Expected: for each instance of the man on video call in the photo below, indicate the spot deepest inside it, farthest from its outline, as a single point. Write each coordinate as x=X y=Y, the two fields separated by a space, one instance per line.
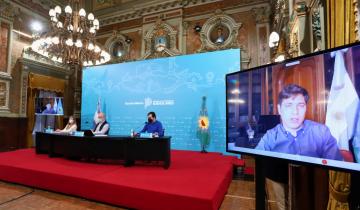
x=295 y=135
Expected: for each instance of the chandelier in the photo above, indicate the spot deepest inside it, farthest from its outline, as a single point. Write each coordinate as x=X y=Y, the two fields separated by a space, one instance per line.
x=71 y=38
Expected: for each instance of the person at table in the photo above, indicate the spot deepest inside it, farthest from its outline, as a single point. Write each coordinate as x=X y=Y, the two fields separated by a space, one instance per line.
x=70 y=126
x=152 y=126
x=102 y=127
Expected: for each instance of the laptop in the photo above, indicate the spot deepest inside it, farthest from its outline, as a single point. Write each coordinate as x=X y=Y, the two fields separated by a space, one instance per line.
x=88 y=133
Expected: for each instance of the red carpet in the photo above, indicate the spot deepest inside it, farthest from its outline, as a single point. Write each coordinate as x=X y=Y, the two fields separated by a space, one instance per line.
x=193 y=181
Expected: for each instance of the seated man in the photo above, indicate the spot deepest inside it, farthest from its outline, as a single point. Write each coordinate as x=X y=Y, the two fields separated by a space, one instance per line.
x=295 y=135
x=49 y=109
x=102 y=127
x=152 y=126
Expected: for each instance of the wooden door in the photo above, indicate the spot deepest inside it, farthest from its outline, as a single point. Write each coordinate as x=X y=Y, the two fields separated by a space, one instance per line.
x=309 y=74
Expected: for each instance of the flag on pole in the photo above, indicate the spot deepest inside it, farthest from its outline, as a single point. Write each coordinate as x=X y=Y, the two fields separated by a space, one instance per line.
x=342 y=103
x=98 y=110
x=203 y=132
x=59 y=109
x=55 y=105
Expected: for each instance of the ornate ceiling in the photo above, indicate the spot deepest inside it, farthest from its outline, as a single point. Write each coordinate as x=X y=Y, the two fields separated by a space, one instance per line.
x=111 y=11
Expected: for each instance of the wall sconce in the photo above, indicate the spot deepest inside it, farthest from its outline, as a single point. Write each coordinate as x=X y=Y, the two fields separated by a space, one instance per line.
x=274 y=39
x=197 y=28
x=128 y=40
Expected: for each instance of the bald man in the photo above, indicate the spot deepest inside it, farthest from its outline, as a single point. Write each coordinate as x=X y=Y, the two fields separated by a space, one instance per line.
x=102 y=127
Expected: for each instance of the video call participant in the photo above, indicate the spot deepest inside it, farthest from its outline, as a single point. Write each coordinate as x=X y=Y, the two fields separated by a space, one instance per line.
x=152 y=126
x=102 y=127
x=49 y=109
x=295 y=135
x=70 y=127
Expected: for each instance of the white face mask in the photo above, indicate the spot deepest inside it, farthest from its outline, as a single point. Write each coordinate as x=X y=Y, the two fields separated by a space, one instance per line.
x=97 y=120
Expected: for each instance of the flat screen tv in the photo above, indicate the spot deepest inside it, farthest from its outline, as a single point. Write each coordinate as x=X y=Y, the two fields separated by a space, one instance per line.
x=49 y=106
x=303 y=110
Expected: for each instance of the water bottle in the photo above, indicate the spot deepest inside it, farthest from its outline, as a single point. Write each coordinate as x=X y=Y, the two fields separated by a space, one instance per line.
x=132 y=132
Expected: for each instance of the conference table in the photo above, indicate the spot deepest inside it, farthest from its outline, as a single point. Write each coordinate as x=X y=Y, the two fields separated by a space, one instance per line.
x=129 y=149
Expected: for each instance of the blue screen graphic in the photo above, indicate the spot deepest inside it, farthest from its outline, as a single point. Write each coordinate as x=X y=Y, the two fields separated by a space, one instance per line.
x=171 y=87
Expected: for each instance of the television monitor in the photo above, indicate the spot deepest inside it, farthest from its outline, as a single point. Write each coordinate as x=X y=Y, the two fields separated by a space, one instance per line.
x=49 y=106
x=304 y=110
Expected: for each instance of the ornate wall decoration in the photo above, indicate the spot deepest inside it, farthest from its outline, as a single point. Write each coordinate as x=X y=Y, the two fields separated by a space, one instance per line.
x=7 y=10
x=4 y=95
x=261 y=14
x=357 y=19
x=294 y=45
x=24 y=86
x=128 y=10
x=262 y=18
x=7 y=14
x=4 y=45
x=219 y=32
x=316 y=28
x=29 y=54
x=118 y=48
x=102 y=4
x=161 y=41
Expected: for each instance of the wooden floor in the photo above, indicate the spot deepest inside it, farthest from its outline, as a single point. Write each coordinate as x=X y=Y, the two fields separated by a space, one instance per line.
x=240 y=196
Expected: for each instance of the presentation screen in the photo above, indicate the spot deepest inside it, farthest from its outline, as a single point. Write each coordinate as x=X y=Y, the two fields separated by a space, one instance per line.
x=175 y=88
x=49 y=106
x=303 y=110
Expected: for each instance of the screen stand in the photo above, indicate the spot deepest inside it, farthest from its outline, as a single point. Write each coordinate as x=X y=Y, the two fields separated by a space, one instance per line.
x=259 y=184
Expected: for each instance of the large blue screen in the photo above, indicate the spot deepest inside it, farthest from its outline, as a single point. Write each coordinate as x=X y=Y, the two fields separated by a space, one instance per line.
x=172 y=87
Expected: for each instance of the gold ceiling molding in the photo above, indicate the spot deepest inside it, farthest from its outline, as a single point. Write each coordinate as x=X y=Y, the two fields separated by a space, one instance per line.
x=7 y=10
x=144 y=9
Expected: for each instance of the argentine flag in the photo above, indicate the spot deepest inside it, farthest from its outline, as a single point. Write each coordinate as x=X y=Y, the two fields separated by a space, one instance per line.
x=59 y=109
x=98 y=110
x=55 y=105
x=342 y=103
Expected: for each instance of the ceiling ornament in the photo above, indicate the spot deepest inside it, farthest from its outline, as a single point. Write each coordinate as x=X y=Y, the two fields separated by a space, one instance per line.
x=118 y=46
x=160 y=41
x=219 y=32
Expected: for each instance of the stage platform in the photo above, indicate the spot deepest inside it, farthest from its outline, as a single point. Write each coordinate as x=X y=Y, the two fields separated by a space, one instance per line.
x=193 y=181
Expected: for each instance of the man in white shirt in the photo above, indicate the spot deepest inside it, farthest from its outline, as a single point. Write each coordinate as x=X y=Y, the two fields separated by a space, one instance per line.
x=102 y=127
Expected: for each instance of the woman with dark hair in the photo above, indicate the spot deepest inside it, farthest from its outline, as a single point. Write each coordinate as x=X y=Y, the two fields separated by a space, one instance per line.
x=70 y=127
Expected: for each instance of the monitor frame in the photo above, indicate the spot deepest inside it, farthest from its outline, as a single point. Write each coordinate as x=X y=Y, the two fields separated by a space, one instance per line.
x=267 y=157
x=46 y=114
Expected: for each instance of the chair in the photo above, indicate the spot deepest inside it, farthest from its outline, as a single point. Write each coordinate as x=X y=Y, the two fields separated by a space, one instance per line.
x=347 y=155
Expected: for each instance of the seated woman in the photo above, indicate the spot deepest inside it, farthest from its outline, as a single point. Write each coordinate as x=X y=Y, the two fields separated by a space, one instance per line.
x=70 y=127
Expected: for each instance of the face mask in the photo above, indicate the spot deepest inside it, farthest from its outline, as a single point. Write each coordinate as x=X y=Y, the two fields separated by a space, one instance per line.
x=150 y=120
x=71 y=121
x=97 y=120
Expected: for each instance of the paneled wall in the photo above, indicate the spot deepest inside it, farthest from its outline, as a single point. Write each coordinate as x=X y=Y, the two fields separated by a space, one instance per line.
x=12 y=133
